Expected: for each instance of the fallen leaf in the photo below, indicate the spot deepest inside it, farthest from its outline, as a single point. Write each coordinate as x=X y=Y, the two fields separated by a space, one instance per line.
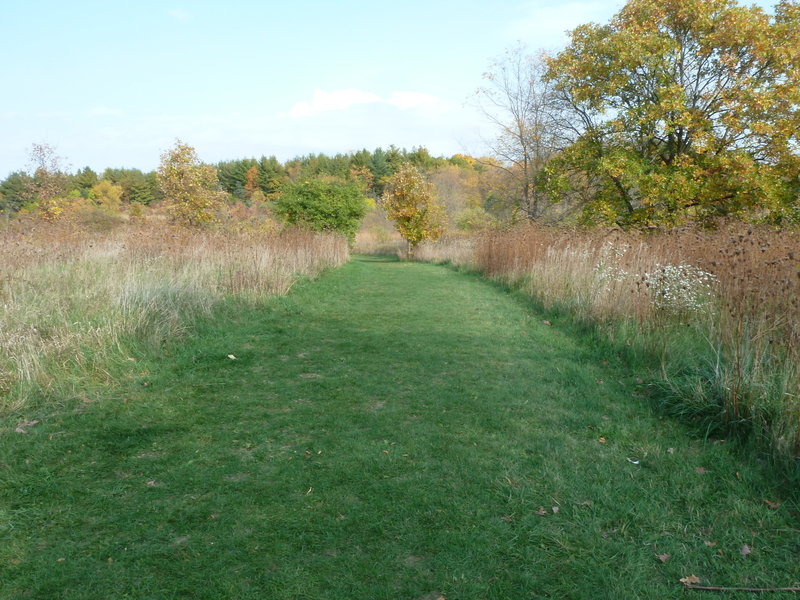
x=60 y=559
x=602 y=440
x=541 y=512
x=710 y=544
x=29 y=423
x=701 y=470
x=745 y=550
x=546 y=322
x=670 y=450
x=771 y=504
x=231 y=356
x=663 y=557
x=20 y=430
x=584 y=503
x=507 y=518
x=690 y=580
x=151 y=483
x=556 y=509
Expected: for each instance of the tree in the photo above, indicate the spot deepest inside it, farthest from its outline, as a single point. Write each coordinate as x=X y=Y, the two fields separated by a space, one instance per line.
x=323 y=204
x=106 y=196
x=189 y=186
x=527 y=113
x=411 y=203
x=48 y=181
x=15 y=190
x=251 y=184
x=686 y=109
x=137 y=187
x=83 y=181
x=273 y=175
x=379 y=166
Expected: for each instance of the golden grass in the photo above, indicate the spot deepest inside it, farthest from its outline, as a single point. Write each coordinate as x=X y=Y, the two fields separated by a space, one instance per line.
x=75 y=302
x=732 y=294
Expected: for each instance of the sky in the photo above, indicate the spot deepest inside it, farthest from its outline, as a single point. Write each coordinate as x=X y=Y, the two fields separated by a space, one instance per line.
x=114 y=83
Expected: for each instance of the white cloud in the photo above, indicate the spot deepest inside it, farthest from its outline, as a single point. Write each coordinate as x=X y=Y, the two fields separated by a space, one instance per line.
x=323 y=101
x=180 y=14
x=327 y=101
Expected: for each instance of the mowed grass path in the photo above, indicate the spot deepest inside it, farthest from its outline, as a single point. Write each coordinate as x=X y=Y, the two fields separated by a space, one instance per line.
x=392 y=431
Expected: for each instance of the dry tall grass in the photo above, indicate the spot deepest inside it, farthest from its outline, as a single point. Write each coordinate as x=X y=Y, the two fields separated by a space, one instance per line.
x=74 y=302
x=721 y=307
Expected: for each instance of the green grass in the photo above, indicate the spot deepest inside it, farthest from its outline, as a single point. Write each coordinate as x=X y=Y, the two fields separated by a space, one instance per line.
x=392 y=431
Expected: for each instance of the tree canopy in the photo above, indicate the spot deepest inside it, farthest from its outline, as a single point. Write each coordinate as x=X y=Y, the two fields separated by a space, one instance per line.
x=188 y=185
x=410 y=201
x=323 y=204
x=684 y=109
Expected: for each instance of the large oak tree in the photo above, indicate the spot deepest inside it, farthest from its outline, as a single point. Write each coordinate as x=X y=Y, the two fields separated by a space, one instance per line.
x=685 y=108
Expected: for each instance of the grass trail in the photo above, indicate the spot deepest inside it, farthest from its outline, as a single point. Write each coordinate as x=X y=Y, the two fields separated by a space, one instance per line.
x=391 y=431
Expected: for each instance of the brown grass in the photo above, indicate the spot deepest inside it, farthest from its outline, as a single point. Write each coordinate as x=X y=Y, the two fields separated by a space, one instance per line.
x=75 y=301
x=743 y=321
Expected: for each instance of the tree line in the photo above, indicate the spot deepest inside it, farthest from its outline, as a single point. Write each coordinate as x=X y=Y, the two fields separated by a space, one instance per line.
x=674 y=111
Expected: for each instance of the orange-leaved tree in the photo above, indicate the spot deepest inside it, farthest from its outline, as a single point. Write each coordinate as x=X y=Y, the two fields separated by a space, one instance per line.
x=410 y=201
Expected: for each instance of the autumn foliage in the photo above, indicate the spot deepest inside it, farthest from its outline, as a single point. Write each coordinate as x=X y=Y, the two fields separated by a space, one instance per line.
x=411 y=203
x=684 y=110
x=189 y=186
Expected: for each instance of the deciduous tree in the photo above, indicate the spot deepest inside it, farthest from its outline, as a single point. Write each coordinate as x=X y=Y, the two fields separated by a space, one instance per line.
x=410 y=201
x=687 y=109
x=48 y=181
x=251 y=178
x=526 y=112
x=188 y=185
x=323 y=204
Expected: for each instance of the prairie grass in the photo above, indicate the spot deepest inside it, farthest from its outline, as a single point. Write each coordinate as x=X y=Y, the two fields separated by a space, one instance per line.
x=394 y=430
x=76 y=304
x=456 y=249
x=378 y=235
x=717 y=309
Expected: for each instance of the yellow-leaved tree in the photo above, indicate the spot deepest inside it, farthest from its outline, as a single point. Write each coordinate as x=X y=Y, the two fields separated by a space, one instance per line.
x=189 y=186
x=410 y=201
x=684 y=109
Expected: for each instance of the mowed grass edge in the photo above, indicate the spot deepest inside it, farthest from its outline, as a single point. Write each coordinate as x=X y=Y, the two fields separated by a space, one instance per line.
x=393 y=430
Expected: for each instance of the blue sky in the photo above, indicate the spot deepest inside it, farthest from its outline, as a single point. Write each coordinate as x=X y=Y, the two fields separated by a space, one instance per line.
x=113 y=83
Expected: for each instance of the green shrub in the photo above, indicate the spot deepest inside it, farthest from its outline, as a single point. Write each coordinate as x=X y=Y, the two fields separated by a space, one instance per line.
x=323 y=204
